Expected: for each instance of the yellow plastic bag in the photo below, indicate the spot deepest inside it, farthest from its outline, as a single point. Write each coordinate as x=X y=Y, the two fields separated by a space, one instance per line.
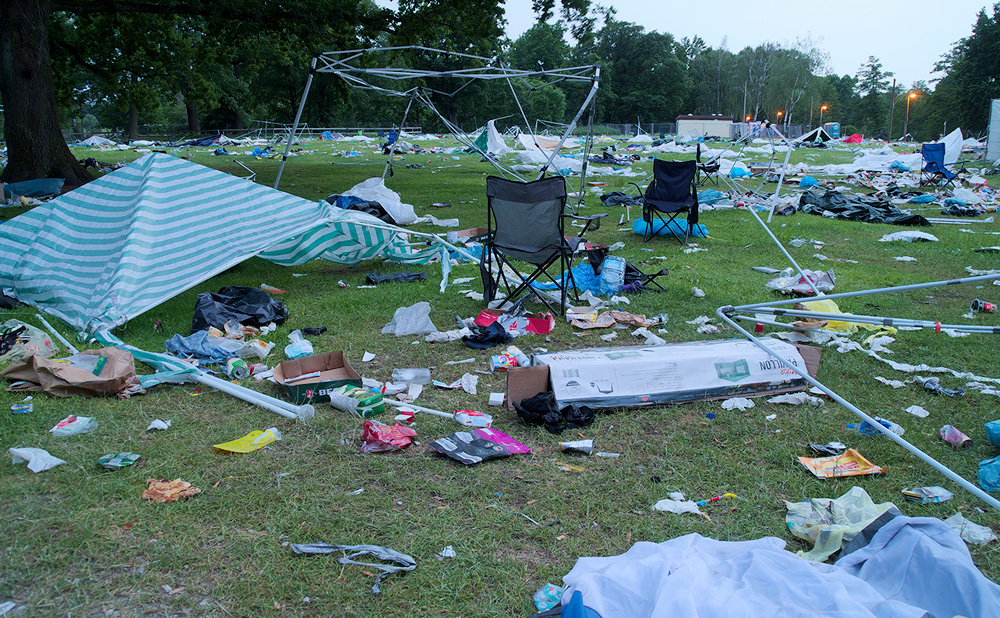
x=251 y=442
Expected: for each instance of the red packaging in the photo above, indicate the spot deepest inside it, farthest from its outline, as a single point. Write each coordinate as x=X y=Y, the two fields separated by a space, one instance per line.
x=537 y=323
x=378 y=437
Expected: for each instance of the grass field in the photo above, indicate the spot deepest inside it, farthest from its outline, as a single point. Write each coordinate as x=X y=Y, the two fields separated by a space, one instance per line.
x=79 y=541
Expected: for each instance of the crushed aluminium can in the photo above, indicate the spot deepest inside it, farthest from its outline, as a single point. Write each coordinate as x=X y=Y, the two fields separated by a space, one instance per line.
x=954 y=437
x=981 y=306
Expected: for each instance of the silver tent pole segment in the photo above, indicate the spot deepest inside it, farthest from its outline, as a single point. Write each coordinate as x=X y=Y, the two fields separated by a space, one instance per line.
x=901 y=288
x=56 y=334
x=576 y=119
x=845 y=317
x=867 y=319
x=722 y=312
x=783 y=250
x=267 y=402
x=781 y=177
x=295 y=123
x=392 y=146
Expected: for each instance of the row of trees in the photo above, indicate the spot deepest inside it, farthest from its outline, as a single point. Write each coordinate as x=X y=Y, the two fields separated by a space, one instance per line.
x=218 y=64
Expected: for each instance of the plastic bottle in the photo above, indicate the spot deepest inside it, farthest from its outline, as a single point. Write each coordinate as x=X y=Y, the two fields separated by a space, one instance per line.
x=613 y=274
x=865 y=429
x=522 y=359
x=412 y=376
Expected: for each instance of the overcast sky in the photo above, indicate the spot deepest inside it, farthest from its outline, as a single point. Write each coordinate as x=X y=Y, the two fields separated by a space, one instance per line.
x=908 y=37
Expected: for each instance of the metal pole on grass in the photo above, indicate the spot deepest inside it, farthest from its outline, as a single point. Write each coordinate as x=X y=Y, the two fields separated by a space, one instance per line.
x=723 y=313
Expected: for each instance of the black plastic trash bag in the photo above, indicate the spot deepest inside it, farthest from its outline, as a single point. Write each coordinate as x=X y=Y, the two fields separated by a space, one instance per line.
x=541 y=410
x=248 y=306
x=483 y=337
x=839 y=205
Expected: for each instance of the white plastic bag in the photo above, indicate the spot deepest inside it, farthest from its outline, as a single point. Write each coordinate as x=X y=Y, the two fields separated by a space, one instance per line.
x=299 y=347
x=374 y=190
x=412 y=320
x=73 y=425
x=38 y=459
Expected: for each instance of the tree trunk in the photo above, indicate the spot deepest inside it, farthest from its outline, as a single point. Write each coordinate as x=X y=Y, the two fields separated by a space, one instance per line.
x=192 y=113
x=133 y=123
x=36 y=147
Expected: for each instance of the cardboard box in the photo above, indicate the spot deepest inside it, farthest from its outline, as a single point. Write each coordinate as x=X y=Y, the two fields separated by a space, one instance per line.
x=537 y=323
x=334 y=370
x=659 y=375
x=473 y=234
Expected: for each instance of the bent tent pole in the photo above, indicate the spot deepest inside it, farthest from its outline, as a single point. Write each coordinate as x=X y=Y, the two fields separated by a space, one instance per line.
x=399 y=136
x=723 y=313
x=784 y=168
x=785 y=251
x=298 y=116
x=572 y=125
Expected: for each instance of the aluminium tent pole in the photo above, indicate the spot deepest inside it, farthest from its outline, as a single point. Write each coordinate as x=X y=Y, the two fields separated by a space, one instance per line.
x=295 y=123
x=392 y=146
x=785 y=251
x=56 y=334
x=781 y=177
x=723 y=312
x=572 y=125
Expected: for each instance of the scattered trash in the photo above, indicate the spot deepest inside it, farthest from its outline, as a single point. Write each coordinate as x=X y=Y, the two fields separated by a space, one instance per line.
x=367 y=357
x=306 y=379
x=993 y=432
x=237 y=369
x=379 y=437
x=74 y=425
x=114 y=461
x=910 y=236
x=402 y=561
x=547 y=597
x=250 y=306
x=608 y=455
x=928 y=495
x=934 y=385
x=849 y=463
x=954 y=437
x=584 y=447
x=698 y=292
x=405 y=276
x=21 y=408
x=796 y=284
x=981 y=306
x=797 y=399
x=255 y=440
x=360 y=402
x=162 y=491
x=447 y=552
x=830 y=522
x=905 y=258
x=918 y=411
x=542 y=409
x=478 y=445
x=678 y=504
x=970 y=532
x=771 y=417
x=830 y=448
x=38 y=459
x=412 y=320
x=411 y=376
x=298 y=347
x=865 y=429
x=741 y=403
x=496 y=399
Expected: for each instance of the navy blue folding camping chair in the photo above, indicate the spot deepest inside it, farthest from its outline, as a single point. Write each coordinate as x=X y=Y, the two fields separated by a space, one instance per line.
x=934 y=170
x=674 y=190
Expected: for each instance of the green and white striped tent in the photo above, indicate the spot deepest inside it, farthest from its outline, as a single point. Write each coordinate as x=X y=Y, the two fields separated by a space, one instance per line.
x=107 y=252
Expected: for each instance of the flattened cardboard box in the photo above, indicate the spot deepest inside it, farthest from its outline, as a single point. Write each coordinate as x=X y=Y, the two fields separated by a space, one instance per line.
x=656 y=375
x=334 y=370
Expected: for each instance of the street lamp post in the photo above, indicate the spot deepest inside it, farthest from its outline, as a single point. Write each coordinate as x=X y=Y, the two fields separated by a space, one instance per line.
x=906 y=121
x=822 y=108
x=779 y=117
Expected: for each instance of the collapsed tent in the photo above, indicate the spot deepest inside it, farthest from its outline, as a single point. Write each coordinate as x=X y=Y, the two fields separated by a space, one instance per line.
x=837 y=205
x=97 y=140
x=816 y=136
x=491 y=142
x=120 y=245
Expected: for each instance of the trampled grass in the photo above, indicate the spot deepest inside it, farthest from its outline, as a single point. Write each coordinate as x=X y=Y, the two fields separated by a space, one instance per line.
x=79 y=541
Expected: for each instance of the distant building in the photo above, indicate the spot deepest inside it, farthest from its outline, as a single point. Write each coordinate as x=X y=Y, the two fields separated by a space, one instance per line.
x=715 y=125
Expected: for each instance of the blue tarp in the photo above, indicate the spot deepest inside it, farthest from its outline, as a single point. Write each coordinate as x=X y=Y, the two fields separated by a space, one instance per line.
x=677 y=226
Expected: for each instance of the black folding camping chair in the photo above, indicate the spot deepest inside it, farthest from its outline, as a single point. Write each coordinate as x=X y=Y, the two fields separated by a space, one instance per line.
x=525 y=221
x=708 y=169
x=673 y=190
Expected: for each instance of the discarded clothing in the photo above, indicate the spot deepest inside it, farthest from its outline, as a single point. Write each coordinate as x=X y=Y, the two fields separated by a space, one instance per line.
x=203 y=346
x=837 y=205
x=617 y=198
x=483 y=337
x=542 y=410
